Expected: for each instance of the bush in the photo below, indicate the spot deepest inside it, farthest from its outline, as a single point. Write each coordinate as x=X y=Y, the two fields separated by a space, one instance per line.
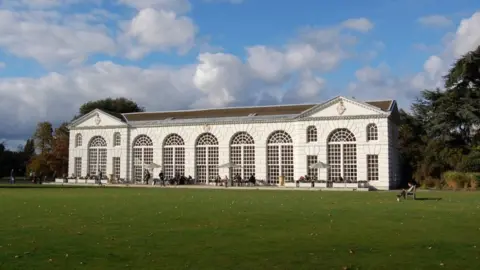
x=431 y=183
x=474 y=180
x=456 y=180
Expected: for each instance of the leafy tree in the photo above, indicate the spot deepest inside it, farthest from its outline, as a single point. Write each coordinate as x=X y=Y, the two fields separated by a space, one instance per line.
x=442 y=131
x=43 y=137
x=465 y=72
x=29 y=148
x=115 y=106
x=58 y=159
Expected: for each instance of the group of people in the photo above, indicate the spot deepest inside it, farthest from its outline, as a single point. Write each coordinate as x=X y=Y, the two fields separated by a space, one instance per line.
x=237 y=179
x=178 y=179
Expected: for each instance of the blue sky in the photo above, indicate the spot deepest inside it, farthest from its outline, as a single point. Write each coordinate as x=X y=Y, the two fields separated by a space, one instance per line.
x=179 y=54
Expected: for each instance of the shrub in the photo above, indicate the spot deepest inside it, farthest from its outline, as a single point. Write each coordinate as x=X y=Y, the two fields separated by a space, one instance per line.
x=455 y=180
x=431 y=183
x=474 y=180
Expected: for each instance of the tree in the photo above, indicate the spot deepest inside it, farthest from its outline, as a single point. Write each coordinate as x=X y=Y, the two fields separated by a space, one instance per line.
x=465 y=72
x=58 y=159
x=442 y=131
x=43 y=137
x=29 y=148
x=115 y=106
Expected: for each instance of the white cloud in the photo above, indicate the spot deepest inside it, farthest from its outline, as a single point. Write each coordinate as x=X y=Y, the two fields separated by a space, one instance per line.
x=56 y=97
x=435 y=21
x=224 y=1
x=177 y=6
x=290 y=73
x=315 y=49
x=369 y=74
x=360 y=24
x=158 y=30
x=222 y=78
x=465 y=39
x=374 y=80
x=50 y=39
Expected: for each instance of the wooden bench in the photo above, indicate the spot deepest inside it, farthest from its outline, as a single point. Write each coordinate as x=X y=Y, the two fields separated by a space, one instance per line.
x=412 y=192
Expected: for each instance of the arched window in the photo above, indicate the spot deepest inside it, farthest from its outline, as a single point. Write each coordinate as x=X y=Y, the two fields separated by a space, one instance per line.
x=242 y=153
x=206 y=158
x=372 y=132
x=173 y=156
x=117 y=139
x=78 y=140
x=311 y=134
x=279 y=157
x=142 y=156
x=97 y=156
x=342 y=155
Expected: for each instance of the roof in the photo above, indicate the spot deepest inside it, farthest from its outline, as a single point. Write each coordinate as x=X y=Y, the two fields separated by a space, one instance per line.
x=258 y=111
x=221 y=112
x=384 y=105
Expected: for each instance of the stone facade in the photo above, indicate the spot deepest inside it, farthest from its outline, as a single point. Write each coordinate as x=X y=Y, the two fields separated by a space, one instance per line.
x=329 y=117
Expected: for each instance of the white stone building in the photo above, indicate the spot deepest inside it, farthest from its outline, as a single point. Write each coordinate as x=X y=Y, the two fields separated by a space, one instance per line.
x=357 y=139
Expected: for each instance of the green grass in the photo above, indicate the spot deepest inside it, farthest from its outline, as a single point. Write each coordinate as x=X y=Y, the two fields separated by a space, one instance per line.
x=136 y=228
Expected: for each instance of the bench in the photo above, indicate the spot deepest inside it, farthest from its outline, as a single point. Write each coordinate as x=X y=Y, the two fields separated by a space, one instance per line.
x=412 y=192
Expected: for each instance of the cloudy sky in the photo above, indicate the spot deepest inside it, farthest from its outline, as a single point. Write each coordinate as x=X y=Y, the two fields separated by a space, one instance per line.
x=178 y=54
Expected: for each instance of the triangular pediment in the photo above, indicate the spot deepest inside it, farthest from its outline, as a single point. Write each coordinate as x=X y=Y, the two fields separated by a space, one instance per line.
x=341 y=106
x=96 y=119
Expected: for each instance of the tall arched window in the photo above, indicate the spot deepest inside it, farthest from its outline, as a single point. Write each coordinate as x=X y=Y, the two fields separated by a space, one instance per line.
x=342 y=155
x=97 y=156
x=117 y=139
x=279 y=157
x=173 y=156
x=372 y=132
x=311 y=134
x=78 y=140
x=142 y=156
x=242 y=152
x=206 y=157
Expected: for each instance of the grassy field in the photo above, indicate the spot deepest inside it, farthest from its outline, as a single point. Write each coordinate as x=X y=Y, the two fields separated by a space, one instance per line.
x=137 y=228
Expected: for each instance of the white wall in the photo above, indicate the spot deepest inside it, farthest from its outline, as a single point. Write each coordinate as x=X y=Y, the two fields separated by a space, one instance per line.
x=258 y=131
x=107 y=134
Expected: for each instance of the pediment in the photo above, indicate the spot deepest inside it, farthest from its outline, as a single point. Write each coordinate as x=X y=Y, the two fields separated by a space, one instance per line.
x=341 y=106
x=96 y=119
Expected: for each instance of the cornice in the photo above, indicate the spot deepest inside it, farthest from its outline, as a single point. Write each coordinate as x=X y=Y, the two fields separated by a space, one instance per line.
x=269 y=121
x=244 y=121
x=336 y=100
x=97 y=127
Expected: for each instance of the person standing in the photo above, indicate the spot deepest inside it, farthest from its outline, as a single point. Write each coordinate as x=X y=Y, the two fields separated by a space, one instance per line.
x=162 y=178
x=100 y=178
x=12 y=177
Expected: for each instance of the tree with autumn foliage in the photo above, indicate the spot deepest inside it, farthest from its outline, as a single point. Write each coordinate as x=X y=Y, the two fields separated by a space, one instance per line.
x=51 y=145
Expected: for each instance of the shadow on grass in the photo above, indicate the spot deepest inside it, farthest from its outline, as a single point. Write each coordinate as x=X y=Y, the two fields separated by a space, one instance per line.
x=428 y=199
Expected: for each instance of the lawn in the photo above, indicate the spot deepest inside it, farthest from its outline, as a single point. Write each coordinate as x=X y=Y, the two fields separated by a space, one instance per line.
x=139 y=228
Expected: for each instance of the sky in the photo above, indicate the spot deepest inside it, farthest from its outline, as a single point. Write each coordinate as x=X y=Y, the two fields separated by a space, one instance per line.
x=184 y=54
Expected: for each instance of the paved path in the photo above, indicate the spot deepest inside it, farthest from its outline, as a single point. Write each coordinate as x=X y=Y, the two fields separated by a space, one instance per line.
x=211 y=187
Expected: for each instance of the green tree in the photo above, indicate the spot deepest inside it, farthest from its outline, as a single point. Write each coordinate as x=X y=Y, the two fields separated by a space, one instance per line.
x=115 y=106
x=465 y=72
x=43 y=137
x=29 y=148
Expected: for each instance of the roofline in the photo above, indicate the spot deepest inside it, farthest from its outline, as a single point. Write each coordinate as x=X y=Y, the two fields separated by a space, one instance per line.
x=392 y=103
x=82 y=117
x=211 y=109
x=91 y=112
